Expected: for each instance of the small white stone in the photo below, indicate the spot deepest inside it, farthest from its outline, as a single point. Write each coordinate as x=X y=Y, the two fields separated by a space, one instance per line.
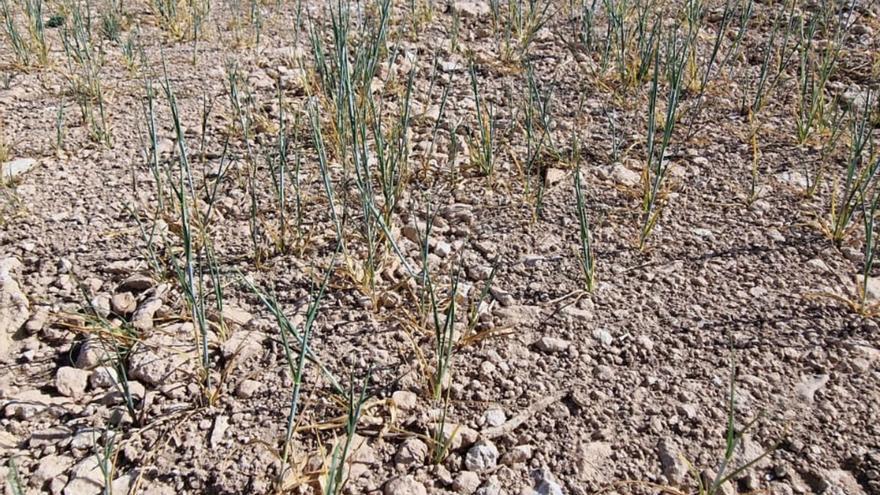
x=221 y=423
x=71 y=381
x=482 y=456
x=16 y=167
x=443 y=249
x=552 y=344
x=494 y=417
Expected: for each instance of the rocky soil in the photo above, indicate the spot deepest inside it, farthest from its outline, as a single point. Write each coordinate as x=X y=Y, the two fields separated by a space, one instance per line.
x=556 y=390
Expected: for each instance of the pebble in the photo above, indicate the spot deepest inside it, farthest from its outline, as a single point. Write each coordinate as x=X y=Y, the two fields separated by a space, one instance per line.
x=443 y=249
x=14 y=168
x=143 y=317
x=123 y=303
x=603 y=336
x=71 y=382
x=481 y=457
x=552 y=344
x=137 y=282
x=494 y=417
x=545 y=482
x=103 y=377
x=86 y=478
x=91 y=354
x=221 y=424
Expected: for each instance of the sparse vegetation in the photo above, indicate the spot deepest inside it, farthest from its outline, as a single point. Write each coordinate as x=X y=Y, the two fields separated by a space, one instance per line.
x=343 y=247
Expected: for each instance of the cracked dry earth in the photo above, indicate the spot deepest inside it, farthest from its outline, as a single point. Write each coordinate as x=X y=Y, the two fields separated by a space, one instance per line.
x=615 y=391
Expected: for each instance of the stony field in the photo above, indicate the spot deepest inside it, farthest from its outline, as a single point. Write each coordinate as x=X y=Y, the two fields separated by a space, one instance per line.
x=418 y=246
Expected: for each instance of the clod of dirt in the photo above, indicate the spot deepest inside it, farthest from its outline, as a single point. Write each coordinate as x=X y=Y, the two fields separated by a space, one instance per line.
x=411 y=451
x=674 y=468
x=247 y=388
x=404 y=485
x=160 y=358
x=405 y=399
x=810 y=385
x=466 y=482
x=238 y=316
x=517 y=455
x=593 y=457
x=624 y=176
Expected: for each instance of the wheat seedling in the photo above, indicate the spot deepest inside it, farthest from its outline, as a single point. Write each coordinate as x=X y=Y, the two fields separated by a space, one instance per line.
x=586 y=256
x=190 y=272
x=657 y=166
x=19 y=44
x=13 y=480
x=483 y=146
x=714 y=485
x=861 y=171
x=336 y=473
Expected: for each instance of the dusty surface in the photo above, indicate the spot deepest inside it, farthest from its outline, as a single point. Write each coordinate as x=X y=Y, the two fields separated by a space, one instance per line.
x=637 y=372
